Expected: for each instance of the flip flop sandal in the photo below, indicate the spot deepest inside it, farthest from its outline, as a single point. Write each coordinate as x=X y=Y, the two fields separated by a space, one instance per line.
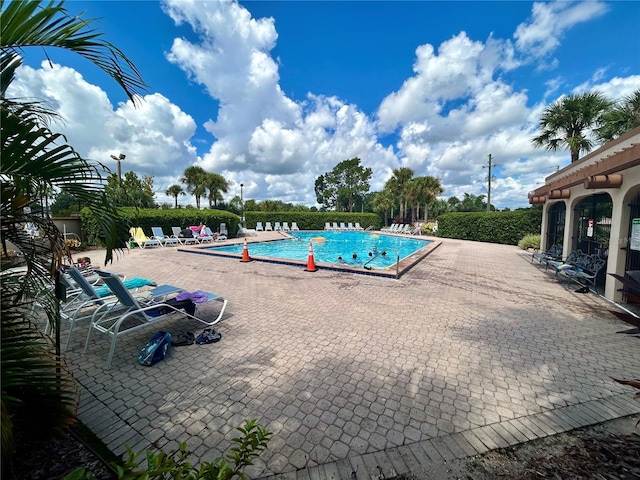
x=207 y=336
x=583 y=290
x=184 y=339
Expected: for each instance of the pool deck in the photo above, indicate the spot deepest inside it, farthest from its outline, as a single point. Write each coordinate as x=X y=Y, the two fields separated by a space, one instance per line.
x=473 y=349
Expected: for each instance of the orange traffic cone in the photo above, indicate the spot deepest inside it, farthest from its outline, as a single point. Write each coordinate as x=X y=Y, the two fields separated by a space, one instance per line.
x=311 y=264
x=245 y=252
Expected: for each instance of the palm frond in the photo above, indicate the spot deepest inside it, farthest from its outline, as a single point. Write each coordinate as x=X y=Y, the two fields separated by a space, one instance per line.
x=39 y=396
x=29 y=24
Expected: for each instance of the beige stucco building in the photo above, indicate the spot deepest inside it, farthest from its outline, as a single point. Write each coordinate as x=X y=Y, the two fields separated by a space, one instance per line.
x=591 y=205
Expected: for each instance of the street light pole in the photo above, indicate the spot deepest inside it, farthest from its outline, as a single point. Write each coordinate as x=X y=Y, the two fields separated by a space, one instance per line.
x=118 y=159
x=242 y=203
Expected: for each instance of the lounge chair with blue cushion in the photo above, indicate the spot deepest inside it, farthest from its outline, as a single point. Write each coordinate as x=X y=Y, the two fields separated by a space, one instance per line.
x=277 y=227
x=259 y=227
x=91 y=297
x=159 y=235
x=134 y=314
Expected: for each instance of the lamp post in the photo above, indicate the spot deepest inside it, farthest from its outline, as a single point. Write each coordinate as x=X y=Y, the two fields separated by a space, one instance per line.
x=118 y=159
x=242 y=203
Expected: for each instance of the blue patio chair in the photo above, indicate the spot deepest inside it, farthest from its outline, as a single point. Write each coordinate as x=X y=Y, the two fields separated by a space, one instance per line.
x=586 y=274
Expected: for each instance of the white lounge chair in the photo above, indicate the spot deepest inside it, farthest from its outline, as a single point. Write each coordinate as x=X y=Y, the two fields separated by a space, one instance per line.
x=159 y=235
x=183 y=240
x=327 y=226
x=89 y=297
x=216 y=237
x=294 y=227
x=223 y=229
x=358 y=227
x=334 y=226
x=137 y=313
x=207 y=237
x=259 y=227
x=277 y=227
x=285 y=227
x=268 y=227
x=343 y=227
x=350 y=226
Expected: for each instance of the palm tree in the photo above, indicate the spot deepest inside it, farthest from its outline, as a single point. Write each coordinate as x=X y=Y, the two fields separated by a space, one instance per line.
x=621 y=118
x=174 y=191
x=424 y=190
x=216 y=184
x=383 y=202
x=569 y=121
x=195 y=178
x=34 y=160
x=399 y=186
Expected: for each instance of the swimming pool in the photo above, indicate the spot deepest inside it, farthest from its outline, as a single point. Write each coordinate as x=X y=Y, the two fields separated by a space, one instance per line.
x=364 y=251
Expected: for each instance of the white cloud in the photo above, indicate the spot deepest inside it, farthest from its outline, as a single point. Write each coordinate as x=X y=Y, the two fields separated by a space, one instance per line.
x=550 y=20
x=154 y=136
x=258 y=129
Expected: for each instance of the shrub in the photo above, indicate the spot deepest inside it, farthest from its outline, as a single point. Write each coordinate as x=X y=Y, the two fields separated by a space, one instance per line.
x=530 y=241
x=495 y=227
x=428 y=228
x=72 y=243
x=251 y=443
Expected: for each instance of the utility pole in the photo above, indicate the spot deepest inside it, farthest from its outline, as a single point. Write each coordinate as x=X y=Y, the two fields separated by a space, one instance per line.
x=489 y=165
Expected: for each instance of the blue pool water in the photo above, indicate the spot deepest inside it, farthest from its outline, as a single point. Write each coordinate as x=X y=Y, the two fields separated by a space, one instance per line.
x=328 y=246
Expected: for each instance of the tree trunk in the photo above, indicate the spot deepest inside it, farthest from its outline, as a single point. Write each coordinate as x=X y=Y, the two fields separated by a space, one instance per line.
x=575 y=156
x=176 y=202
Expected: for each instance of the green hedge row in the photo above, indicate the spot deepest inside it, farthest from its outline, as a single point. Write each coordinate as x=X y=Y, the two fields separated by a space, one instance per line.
x=312 y=220
x=147 y=218
x=494 y=227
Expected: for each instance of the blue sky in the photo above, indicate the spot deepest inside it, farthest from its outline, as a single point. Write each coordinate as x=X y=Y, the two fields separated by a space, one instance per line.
x=274 y=94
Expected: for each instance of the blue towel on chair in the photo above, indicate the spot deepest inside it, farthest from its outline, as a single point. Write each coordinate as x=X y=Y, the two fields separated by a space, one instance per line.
x=135 y=282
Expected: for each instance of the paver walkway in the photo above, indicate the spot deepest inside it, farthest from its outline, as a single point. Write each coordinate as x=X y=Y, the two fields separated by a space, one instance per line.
x=475 y=348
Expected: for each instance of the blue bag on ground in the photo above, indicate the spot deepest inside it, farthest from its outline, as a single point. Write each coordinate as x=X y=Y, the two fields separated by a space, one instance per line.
x=155 y=349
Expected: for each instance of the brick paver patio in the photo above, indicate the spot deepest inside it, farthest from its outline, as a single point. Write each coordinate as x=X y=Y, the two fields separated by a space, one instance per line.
x=474 y=348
